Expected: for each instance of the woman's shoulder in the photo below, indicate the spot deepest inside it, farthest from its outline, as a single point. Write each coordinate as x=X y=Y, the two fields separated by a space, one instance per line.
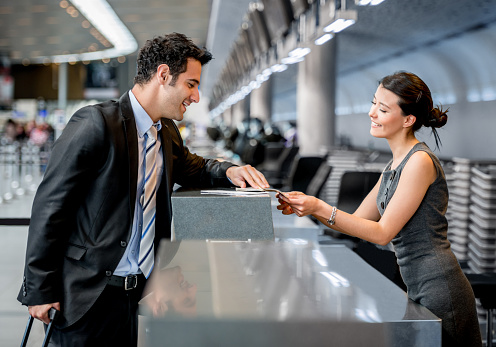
x=422 y=147
x=421 y=152
x=422 y=158
x=421 y=164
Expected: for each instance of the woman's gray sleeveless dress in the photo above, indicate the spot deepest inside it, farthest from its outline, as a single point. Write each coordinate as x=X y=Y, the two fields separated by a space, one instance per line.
x=428 y=267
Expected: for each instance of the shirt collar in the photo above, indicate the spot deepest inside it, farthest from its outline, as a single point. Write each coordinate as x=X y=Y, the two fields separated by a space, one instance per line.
x=142 y=119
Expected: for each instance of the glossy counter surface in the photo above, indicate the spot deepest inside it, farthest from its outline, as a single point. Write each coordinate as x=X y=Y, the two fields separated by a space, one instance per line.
x=287 y=293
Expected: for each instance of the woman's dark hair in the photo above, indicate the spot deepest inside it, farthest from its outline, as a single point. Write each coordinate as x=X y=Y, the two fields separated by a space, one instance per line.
x=172 y=49
x=415 y=99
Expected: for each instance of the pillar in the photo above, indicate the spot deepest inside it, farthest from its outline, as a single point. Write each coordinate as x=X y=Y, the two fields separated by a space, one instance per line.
x=316 y=99
x=240 y=111
x=62 y=87
x=261 y=102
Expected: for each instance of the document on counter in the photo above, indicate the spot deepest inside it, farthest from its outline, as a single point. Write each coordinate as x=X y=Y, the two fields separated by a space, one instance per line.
x=261 y=190
x=257 y=192
x=242 y=191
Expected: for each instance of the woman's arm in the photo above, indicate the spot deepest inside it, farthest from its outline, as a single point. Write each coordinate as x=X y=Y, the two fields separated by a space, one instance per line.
x=418 y=174
x=368 y=207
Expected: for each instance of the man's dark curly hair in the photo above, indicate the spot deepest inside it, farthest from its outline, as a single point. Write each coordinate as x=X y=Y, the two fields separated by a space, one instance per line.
x=172 y=49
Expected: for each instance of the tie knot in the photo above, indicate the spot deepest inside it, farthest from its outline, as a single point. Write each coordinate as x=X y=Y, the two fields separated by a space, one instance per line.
x=152 y=132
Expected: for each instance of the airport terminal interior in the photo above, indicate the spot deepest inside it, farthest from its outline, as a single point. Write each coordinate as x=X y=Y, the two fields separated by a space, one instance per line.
x=288 y=92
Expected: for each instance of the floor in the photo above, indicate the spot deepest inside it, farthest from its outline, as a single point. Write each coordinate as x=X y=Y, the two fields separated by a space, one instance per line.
x=14 y=316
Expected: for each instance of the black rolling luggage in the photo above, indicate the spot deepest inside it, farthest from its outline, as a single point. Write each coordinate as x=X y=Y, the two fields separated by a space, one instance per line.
x=52 y=314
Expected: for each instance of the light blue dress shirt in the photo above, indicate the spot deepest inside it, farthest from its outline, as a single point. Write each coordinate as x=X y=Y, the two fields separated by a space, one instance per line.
x=129 y=262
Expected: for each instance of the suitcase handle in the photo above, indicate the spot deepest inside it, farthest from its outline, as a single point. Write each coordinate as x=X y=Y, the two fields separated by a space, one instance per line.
x=52 y=315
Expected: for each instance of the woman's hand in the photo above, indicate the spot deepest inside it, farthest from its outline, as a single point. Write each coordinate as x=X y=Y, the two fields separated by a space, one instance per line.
x=283 y=204
x=298 y=203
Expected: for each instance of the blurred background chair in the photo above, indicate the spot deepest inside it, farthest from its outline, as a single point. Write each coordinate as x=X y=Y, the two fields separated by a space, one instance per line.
x=319 y=180
x=301 y=173
x=272 y=155
x=276 y=171
x=354 y=187
x=484 y=286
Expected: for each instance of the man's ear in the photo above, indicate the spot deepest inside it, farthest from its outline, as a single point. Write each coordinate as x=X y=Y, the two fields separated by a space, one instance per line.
x=163 y=74
x=409 y=120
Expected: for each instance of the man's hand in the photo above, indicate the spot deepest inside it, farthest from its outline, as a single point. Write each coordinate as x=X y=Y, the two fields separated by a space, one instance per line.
x=41 y=311
x=239 y=175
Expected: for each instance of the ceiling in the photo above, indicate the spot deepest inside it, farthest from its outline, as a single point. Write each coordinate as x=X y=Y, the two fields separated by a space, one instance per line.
x=398 y=27
x=33 y=28
x=450 y=44
x=393 y=29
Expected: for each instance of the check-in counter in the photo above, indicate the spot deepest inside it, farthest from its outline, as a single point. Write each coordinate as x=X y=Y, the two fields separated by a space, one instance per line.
x=201 y=216
x=287 y=293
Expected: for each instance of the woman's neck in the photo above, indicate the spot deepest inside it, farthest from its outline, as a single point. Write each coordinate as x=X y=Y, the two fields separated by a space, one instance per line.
x=400 y=148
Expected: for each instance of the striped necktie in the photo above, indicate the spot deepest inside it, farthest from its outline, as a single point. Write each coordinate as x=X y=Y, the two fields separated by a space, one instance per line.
x=148 y=203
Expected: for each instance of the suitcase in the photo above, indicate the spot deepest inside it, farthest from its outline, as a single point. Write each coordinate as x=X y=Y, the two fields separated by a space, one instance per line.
x=52 y=314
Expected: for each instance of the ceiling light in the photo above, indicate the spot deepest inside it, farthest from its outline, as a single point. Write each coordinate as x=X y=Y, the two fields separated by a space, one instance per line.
x=323 y=39
x=339 y=25
x=296 y=55
x=368 y=2
x=299 y=52
x=254 y=85
x=261 y=78
x=102 y=17
x=267 y=72
x=279 y=67
x=342 y=20
x=291 y=60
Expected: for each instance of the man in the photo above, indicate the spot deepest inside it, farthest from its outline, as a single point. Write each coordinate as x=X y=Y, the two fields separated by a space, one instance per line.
x=85 y=255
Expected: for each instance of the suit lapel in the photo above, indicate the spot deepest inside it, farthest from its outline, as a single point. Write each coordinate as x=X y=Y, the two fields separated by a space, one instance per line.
x=164 y=208
x=167 y=154
x=131 y=135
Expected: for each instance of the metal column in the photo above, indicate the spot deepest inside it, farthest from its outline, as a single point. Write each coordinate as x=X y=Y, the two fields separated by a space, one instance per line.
x=316 y=99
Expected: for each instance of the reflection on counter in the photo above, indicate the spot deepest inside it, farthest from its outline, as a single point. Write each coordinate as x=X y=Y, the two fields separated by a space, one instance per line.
x=209 y=285
x=172 y=294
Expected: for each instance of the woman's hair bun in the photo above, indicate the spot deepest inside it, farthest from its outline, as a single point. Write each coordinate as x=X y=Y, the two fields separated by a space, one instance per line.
x=437 y=118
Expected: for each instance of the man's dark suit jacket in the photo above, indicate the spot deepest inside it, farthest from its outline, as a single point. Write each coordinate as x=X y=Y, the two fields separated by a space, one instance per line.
x=83 y=211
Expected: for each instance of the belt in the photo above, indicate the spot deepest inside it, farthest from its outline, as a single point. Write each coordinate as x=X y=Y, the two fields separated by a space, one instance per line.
x=127 y=283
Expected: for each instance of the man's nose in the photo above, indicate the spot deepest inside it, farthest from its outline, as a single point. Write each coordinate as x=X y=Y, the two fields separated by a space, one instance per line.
x=195 y=97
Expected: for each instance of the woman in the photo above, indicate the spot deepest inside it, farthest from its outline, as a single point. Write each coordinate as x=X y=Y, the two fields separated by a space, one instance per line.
x=407 y=207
